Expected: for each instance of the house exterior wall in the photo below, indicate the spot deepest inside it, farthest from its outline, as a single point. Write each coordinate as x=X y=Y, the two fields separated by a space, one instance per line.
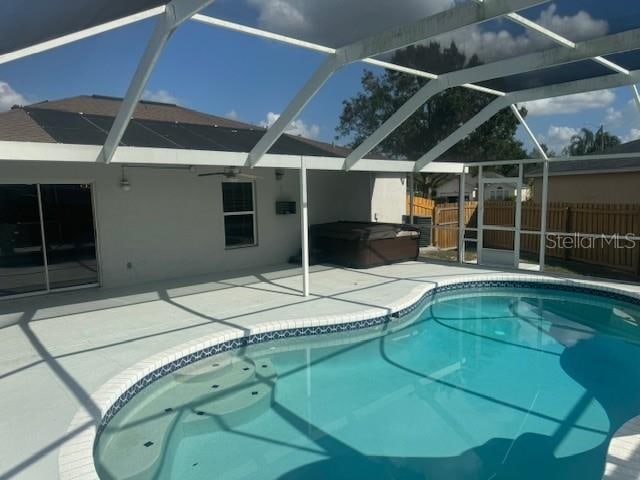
x=388 y=197
x=451 y=188
x=170 y=223
x=335 y=196
x=592 y=188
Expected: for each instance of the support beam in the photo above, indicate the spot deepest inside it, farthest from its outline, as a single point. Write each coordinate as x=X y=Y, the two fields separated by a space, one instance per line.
x=628 y=40
x=636 y=95
x=485 y=114
x=256 y=32
x=444 y=22
x=158 y=40
x=461 y=220
x=317 y=80
x=66 y=152
x=480 y=222
x=545 y=182
x=516 y=112
x=304 y=227
x=175 y=13
x=543 y=214
x=518 y=219
x=393 y=122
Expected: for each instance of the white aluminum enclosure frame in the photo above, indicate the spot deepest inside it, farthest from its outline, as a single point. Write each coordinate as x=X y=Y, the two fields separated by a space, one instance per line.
x=502 y=68
x=447 y=21
x=555 y=90
x=543 y=231
x=177 y=12
x=304 y=227
x=516 y=184
x=466 y=14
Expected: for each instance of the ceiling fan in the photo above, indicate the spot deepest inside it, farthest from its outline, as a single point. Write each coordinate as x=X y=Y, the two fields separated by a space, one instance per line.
x=231 y=172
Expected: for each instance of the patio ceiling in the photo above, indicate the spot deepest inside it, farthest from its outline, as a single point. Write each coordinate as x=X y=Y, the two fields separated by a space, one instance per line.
x=572 y=66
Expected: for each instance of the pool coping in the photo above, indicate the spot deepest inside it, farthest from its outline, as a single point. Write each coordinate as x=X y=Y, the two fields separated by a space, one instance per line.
x=75 y=460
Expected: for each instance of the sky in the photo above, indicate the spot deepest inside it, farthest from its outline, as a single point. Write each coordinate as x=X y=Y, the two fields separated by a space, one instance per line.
x=251 y=79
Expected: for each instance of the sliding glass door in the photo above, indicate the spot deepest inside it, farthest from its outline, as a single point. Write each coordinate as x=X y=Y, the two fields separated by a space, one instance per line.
x=47 y=238
x=22 y=267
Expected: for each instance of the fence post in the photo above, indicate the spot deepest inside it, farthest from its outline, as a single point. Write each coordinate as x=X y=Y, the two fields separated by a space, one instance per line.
x=434 y=224
x=461 y=222
x=411 y=198
x=636 y=247
x=567 y=225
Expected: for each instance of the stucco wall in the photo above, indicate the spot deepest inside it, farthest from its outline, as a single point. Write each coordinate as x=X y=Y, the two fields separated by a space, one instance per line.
x=600 y=188
x=170 y=223
x=388 y=197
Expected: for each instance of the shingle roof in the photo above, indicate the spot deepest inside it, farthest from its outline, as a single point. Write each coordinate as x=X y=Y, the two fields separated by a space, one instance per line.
x=145 y=110
x=598 y=164
x=17 y=125
x=86 y=120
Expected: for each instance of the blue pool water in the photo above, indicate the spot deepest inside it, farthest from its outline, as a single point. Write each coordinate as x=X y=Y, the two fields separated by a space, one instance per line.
x=476 y=384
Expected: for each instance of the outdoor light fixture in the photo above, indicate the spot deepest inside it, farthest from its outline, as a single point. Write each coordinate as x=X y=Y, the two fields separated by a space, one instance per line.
x=124 y=183
x=279 y=174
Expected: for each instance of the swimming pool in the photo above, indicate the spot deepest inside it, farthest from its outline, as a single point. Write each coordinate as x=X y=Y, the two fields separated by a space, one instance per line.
x=498 y=383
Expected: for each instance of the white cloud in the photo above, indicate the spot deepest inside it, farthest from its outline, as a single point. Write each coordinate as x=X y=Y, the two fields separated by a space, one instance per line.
x=162 y=96
x=232 y=114
x=624 y=121
x=494 y=45
x=297 y=127
x=634 y=134
x=317 y=20
x=613 y=116
x=571 y=103
x=9 y=97
x=557 y=137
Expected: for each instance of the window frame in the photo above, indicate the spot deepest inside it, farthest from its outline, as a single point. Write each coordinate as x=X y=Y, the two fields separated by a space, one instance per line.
x=253 y=213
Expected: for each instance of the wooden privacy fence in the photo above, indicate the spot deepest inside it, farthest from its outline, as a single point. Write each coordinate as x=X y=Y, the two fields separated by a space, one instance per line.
x=585 y=218
x=445 y=223
x=422 y=207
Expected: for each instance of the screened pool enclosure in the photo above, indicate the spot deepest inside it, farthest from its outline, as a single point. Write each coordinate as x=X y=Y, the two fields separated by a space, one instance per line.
x=552 y=66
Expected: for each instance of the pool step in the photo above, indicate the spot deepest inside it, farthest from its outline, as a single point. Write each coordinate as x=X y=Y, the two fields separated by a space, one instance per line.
x=230 y=409
x=201 y=399
x=217 y=365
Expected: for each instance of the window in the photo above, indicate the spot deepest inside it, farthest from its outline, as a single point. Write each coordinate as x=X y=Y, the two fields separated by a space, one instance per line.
x=238 y=207
x=498 y=194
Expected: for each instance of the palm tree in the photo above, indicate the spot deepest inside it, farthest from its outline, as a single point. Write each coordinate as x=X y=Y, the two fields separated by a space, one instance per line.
x=587 y=142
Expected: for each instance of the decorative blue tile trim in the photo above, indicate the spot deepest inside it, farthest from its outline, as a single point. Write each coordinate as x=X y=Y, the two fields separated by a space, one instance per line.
x=342 y=327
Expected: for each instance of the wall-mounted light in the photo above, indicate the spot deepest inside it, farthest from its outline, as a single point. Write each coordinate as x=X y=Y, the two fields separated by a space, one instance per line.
x=124 y=183
x=279 y=174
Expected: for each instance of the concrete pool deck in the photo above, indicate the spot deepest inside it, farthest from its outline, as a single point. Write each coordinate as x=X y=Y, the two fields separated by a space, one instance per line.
x=56 y=350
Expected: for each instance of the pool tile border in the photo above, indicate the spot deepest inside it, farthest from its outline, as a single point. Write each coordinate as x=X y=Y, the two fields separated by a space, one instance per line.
x=76 y=456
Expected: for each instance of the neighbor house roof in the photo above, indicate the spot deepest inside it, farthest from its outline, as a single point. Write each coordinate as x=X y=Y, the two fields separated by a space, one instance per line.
x=597 y=165
x=86 y=120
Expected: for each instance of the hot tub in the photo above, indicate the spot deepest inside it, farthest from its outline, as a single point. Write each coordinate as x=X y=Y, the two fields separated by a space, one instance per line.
x=364 y=244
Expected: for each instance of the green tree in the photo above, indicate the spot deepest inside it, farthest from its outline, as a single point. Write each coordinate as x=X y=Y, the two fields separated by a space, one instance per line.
x=383 y=94
x=534 y=153
x=587 y=142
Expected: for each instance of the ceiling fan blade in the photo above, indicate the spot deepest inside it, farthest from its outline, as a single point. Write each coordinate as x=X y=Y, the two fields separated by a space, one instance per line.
x=210 y=174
